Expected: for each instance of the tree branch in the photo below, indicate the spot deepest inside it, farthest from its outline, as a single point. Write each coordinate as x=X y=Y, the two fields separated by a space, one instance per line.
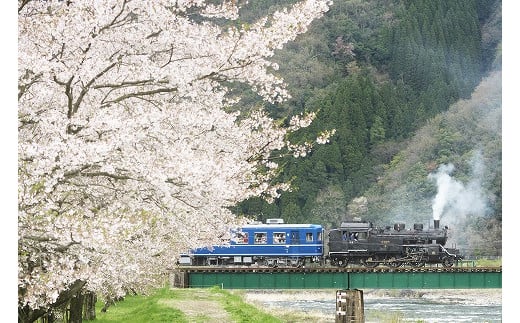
x=142 y=93
x=113 y=22
x=81 y=172
x=68 y=92
x=86 y=87
x=106 y=174
x=59 y=247
x=129 y=83
x=24 y=87
x=24 y=2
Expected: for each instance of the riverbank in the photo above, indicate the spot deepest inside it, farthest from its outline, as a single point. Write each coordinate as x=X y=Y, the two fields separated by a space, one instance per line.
x=434 y=305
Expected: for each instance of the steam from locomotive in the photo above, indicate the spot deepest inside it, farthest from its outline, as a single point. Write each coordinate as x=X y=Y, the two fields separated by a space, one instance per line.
x=456 y=201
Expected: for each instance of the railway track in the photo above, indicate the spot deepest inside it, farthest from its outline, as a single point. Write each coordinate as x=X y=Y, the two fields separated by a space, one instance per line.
x=381 y=269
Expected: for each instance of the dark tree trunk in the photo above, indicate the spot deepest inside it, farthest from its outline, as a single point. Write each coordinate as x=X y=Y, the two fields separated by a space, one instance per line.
x=28 y=315
x=50 y=317
x=89 y=306
x=76 y=308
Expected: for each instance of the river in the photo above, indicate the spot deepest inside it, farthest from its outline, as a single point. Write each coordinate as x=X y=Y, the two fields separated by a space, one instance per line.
x=431 y=306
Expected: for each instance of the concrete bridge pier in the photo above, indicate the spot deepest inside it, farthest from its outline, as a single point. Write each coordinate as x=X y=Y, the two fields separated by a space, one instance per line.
x=350 y=307
x=179 y=279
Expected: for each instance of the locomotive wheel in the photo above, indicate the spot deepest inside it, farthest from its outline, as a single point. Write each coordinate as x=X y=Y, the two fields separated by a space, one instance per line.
x=370 y=262
x=394 y=263
x=447 y=262
x=417 y=263
x=340 y=262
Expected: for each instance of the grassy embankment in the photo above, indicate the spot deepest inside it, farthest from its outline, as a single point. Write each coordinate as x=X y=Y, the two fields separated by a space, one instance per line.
x=183 y=305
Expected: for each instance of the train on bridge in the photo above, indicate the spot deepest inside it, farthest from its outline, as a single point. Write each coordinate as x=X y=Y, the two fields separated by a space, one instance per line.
x=276 y=244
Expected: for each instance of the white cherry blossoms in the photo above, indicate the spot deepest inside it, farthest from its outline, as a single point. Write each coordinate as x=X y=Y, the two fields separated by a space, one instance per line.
x=127 y=151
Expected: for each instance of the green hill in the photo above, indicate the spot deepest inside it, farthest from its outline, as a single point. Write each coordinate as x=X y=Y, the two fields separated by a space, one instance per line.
x=409 y=86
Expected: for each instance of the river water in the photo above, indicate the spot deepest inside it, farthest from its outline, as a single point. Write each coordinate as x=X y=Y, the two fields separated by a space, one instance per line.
x=432 y=306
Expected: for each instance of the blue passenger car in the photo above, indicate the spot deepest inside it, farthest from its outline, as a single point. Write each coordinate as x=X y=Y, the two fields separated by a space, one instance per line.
x=271 y=244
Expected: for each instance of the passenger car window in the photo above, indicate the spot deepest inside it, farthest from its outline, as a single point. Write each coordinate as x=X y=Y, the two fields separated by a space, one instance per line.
x=241 y=237
x=260 y=237
x=279 y=237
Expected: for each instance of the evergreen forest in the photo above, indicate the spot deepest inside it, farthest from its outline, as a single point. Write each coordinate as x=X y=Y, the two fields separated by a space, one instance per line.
x=411 y=88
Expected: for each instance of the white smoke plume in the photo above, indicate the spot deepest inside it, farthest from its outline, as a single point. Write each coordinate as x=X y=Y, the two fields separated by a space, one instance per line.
x=454 y=200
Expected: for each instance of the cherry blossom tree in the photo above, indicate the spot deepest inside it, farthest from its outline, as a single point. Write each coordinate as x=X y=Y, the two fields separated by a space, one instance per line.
x=130 y=147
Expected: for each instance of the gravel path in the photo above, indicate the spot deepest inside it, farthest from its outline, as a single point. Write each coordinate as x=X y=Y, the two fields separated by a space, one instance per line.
x=201 y=307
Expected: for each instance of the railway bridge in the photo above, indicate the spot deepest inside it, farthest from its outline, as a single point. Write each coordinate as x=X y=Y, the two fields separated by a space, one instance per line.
x=348 y=282
x=340 y=278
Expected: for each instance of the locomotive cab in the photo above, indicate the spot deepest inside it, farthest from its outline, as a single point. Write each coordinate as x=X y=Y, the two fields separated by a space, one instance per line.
x=349 y=241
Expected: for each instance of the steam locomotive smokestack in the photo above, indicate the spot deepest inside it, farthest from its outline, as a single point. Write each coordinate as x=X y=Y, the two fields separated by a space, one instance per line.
x=436 y=224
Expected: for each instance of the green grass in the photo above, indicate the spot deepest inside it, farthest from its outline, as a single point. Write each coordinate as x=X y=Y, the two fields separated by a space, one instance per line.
x=242 y=312
x=138 y=309
x=488 y=262
x=167 y=305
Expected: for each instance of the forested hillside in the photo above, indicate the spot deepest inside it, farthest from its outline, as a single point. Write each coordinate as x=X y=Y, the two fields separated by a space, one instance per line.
x=399 y=81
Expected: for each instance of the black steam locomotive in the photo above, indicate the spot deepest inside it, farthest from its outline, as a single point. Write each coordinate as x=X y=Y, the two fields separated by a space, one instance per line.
x=361 y=243
x=276 y=244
